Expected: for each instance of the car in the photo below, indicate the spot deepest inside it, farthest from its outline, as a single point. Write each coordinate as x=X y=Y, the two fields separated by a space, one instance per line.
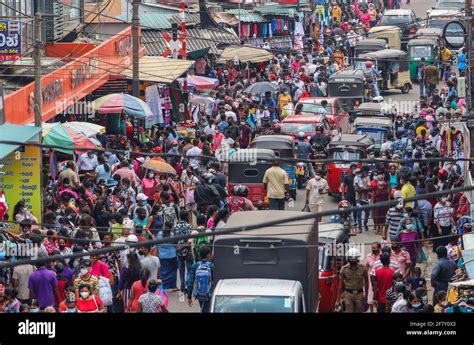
x=405 y=19
x=294 y=124
x=336 y=115
x=450 y=5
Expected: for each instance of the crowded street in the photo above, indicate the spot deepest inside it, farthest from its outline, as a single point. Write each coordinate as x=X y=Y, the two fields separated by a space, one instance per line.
x=236 y=157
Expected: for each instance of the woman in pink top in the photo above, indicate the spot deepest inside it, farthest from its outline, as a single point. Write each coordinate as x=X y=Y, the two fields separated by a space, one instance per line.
x=365 y=19
x=149 y=185
x=402 y=257
x=99 y=268
x=212 y=213
x=408 y=240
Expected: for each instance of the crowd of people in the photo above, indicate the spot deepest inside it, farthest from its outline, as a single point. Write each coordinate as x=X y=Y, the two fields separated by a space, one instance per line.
x=108 y=198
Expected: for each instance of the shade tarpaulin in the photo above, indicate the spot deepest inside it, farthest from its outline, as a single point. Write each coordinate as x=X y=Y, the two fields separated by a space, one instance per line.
x=16 y=133
x=158 y=69
x=245 y=54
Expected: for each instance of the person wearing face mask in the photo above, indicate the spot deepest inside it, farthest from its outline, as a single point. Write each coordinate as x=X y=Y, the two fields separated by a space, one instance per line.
x=392 y=220
x=380 y=193
x=354 y=283
x=99 y=268
x=443 y=222
x=408 y=238
x=88 y=301
x=441 y=301
x=85 y=277
x=316 y=188
x=69 y=305
x=382 y=281
x=443 y=271
x=140 y=204
x=22 y=212
x=149 y=185
x=402 y=295
x=369 y=263
x=86 y=164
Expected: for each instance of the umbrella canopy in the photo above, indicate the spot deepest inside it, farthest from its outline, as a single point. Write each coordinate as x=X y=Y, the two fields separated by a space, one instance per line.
x=159 y=165
x=261 y=87
x=87 y=128
x=122 y=103
x=245 y=54
x=62 y=136
x=202 y=83
x=201 y=100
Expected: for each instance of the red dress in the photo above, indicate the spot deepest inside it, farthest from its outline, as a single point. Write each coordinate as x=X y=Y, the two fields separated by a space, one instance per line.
x=379 y=213
x=138 y=290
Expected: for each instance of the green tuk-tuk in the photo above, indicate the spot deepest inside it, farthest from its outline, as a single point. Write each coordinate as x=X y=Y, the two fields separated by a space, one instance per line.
x=421 y=48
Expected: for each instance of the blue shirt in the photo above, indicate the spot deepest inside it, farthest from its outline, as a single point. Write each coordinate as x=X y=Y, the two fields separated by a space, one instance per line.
x=270 y=103
x=443 y=271
x=166 y=250
x=461 y=61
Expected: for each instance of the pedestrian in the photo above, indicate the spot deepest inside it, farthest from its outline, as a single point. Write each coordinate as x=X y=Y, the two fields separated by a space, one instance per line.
x=382 y=281
x=139 y=288
x=43 y=286
x=184 y=249
x=151 y=301
x=420 y=72
x=88 y=301
x=392 y=220
x=362 y=188
x=431 y=78
x=369 y=263
x=277 y=185
x=354 y=283
x=443 y=271
x=316 y=189
x=149 y=261
x=380 y=193
x=347 y=187
x=168 y=258
x=443 y=222
x=200 y=280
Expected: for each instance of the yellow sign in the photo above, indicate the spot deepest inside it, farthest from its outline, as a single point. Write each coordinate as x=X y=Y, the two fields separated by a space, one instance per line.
x=21 y=179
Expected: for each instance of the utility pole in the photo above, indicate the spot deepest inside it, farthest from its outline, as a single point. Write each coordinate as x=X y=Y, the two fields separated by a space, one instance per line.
x=136 y=48
x=37 y=58
x=240 y=29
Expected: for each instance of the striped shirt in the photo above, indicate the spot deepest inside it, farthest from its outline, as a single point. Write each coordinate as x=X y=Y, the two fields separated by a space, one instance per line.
x=393 y=219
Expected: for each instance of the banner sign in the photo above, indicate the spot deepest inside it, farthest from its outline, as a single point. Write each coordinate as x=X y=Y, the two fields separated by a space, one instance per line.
x=10 y=40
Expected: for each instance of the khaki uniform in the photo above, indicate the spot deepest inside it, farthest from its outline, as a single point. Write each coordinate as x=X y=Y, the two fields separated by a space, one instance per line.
x=354 y=281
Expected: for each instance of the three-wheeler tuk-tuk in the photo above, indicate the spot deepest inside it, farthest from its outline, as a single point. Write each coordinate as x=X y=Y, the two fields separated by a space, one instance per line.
x=247 y=167
x=376 y=109
x=349 y=147
x=391 y=34
x=393 y=67
x=333 y=245
x=284 y=147
x=369 y=45
x=288 y=252
x=348 y=86
x=421 y=48
x=434 y=33
x=375 y=127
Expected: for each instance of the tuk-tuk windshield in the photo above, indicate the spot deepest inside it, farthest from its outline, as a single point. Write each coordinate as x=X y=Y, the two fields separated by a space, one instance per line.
x=378 y=134
x=419 y=52
x=345 y=154
x=325 y=259
x=295 y=128
x=253 y=304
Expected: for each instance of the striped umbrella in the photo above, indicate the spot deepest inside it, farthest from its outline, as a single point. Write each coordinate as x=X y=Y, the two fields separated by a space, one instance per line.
x=61 y=135
x=122 y=103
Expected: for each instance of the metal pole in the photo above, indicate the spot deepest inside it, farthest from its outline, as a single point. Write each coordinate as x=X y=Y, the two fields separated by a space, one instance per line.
x=136 y=48
x=468 y=54
x=240 y=29
x=37 y=58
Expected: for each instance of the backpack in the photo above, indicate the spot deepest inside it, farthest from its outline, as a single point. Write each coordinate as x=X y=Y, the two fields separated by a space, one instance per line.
x=169 y=214
x=203 y=281
x=236 y=204
x=369 y=75
x=105 y=291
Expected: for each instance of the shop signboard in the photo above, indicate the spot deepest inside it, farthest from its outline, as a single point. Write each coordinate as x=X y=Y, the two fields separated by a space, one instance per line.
x=10 y=40
x=21 y=179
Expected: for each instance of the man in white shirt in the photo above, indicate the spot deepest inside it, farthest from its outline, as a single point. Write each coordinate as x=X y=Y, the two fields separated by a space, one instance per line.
x=194 y=152
x=387 y=145
x=230 y=113
x=316 y=188
x=87 y=163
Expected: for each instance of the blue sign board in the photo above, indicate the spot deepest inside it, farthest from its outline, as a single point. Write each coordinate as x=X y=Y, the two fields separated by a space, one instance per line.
x=10 y=40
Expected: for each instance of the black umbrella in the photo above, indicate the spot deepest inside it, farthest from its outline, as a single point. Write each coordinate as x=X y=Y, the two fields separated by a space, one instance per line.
x=261 y=87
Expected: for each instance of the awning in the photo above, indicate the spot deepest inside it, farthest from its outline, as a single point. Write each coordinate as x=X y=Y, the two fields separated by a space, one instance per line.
x=245 y=54
x=157 y=69
x=22 y=134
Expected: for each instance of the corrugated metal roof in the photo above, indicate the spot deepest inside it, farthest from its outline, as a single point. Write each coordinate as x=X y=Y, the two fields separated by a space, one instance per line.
x=198 y=39
x=162 y=21
x=246 y=16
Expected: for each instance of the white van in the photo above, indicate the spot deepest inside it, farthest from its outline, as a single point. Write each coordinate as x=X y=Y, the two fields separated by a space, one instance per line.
x=258 y=296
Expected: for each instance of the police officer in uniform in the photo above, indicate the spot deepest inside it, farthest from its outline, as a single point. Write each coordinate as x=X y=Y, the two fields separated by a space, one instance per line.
x=354 y=283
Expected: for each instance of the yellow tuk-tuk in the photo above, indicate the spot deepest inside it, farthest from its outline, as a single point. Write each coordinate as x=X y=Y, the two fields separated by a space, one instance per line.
x=393 y=67
x=391 y=34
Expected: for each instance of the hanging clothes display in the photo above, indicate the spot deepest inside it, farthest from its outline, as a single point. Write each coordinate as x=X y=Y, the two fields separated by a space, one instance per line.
x=264 y=30
x=270 y=30
x=152 y=98
x=167 y=105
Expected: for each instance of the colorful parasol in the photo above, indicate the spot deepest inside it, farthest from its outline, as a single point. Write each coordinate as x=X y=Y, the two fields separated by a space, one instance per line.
x=122 y=103
x=61 y=135
x=159 y=165
x=202 y=83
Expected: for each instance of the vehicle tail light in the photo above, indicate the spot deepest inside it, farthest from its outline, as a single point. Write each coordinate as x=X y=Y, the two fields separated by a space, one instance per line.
x=412 y=30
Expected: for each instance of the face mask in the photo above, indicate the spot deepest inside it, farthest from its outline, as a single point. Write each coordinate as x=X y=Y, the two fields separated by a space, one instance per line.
x=405 y=214
x=58 y=211
x=151 y=175
x=416 y=305
x=317 y=178
x=375 y=178
x=131 y=166
x=84 y=294
x=24 y=209
x=394 y=248
x=444 y=199
x=71 y=310
x=375 y=251
x=411 y=227
x=62 y=247
x=380 y=183
x=424 y=299
x=141 y=252
x=353 y=262
x=84 y=271
x=34 y=310
x=399 y=207
x=399 y=284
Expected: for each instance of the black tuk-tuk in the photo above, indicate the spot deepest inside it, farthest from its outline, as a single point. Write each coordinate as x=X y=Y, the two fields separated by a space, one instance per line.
x=369 y=45
x=348 y=87
x=247 y=167
x=284 y=147
x=277 y=252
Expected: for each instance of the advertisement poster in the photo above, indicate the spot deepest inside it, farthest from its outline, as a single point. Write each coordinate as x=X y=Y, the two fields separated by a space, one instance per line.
x=21 y=178
x=10 y=40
